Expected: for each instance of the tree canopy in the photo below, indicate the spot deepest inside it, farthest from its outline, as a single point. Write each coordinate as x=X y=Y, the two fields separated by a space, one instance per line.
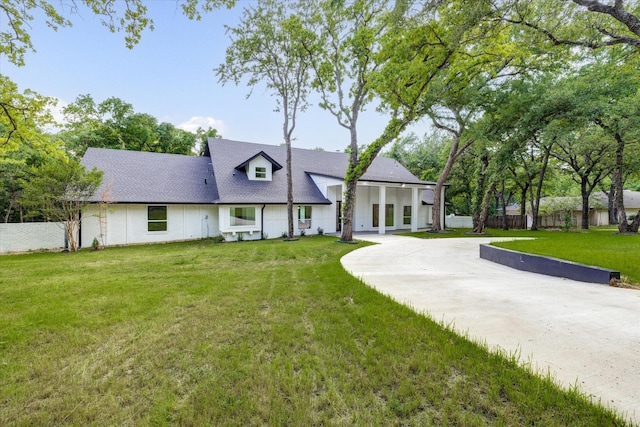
x=58 y=190
x=113 y=123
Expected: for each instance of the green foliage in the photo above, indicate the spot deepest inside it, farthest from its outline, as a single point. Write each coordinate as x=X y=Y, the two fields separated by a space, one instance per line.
x=130 y=17
x=114 y=124
x=582 y=23
x=267 y=47
x=279 y=335
x=58 y=190
x=22 y=116
x=15 y=167
x=202 y=136
x=423 y=158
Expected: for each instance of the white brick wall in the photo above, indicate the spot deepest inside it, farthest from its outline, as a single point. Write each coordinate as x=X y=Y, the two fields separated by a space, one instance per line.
x=459 y=222
x=31 y=236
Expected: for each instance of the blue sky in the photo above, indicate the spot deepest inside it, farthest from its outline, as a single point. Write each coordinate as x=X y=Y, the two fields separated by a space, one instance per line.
x=169 y=75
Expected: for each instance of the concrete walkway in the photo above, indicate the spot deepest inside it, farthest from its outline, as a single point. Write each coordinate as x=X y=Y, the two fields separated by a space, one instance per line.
x=584 y=334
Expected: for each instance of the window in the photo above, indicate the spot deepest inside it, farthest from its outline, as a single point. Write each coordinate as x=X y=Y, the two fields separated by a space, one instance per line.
x=242 y=216
x=304 y=217
x=261 y=172
x=388 y=215
x=156 y=218
x=406 y=215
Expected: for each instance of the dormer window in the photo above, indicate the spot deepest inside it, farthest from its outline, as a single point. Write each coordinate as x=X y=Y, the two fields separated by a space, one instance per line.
x=261 y=172
x=259 y=167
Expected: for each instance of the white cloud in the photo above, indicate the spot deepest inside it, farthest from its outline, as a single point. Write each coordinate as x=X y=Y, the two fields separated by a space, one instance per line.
x=58 y=116
x=196 y=122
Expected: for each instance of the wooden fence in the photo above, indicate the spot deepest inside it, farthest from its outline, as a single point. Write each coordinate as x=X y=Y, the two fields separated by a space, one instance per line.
x=513 y=221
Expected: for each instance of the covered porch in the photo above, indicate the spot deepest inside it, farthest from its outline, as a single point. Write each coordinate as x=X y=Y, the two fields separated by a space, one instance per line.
x=384 y=206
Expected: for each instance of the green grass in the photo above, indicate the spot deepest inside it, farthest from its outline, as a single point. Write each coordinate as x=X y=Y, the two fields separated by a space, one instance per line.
x=598 y=246
x=252 y=333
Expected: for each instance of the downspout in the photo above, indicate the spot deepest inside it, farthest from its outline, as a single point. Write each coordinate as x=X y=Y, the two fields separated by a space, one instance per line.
x=262 y=222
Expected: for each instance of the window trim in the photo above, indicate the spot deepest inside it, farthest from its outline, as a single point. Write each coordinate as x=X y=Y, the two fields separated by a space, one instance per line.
x=260 y=172
x=164 y=220
x=305 y=223
x=406 y=216
x=388 y=219
x=233 y=216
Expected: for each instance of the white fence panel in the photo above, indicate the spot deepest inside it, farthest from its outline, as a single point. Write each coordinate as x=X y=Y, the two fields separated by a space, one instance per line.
x=31 y=236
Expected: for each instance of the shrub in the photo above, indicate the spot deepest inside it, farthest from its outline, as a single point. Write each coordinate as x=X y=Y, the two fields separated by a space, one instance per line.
x=218 y=239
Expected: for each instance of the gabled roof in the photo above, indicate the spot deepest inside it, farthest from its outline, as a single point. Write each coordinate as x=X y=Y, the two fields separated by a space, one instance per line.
x=276 y=165
x=235 y=187
x=143 y=177
x=219 y=176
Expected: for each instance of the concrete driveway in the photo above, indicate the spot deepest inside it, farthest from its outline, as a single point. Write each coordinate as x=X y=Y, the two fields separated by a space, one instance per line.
x=584 y=334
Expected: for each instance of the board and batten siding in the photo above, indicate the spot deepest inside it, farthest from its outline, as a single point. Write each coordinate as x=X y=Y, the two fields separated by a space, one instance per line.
x=127 y=224
x=272 y=221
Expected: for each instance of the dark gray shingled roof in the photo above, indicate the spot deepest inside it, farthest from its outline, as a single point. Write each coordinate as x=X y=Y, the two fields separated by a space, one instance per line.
x=143 y=177
x=235 y=187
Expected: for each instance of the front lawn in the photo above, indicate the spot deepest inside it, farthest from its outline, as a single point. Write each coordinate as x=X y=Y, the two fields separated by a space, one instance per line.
x=249 y=333
x=598 y=246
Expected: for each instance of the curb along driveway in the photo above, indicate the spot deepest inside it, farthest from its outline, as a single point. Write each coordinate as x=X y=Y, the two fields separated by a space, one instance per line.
x=582 y=333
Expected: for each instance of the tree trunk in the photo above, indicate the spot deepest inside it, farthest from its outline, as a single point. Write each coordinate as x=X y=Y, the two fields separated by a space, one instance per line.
x=69 y=228
x=485 y=209
x=350 y=183
x=289 y=191
x=523 y=205
x=535 y=201
x=6 y=217
x=635 y=224
x=436 y=224
x=611 y=205
x=479 y=198
x=585 y=193
x=348 y=203
x=503 y=201
x=360 y=162
x=623 y=224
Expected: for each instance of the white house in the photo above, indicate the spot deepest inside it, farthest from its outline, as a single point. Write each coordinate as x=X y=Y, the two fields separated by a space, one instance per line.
x=239 y=189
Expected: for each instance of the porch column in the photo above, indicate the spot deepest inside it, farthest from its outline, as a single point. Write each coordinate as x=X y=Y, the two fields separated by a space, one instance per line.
x=414 y=209
x=382 y=202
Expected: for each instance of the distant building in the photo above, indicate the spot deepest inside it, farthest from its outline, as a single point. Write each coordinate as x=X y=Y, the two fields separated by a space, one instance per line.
x=553 y=209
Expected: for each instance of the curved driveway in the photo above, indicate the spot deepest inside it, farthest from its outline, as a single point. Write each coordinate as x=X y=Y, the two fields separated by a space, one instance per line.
x=584 y=334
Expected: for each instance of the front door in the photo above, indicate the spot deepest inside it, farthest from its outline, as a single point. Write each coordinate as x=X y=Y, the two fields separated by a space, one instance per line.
x=338 y=216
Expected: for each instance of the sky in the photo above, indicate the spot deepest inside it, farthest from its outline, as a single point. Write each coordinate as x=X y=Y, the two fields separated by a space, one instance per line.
x=169 y=75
